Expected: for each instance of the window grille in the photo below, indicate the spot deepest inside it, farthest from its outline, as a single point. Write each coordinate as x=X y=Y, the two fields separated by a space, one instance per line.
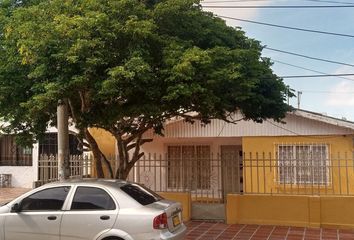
x=303 y=164
x=189 y=166
x=12 y=154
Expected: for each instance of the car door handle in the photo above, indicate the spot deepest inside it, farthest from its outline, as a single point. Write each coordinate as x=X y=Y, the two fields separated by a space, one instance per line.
x=52 y=217
x=104 y=217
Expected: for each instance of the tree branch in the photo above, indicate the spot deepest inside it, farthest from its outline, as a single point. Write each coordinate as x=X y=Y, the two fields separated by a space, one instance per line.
x=143 y=141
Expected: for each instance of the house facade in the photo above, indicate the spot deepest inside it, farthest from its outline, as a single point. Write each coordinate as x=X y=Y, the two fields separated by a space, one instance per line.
x=271 y=157
x=300 y=172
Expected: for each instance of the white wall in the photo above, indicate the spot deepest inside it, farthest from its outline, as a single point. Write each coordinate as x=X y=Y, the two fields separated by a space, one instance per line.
x=25 y=176
x=154 y=174
x=22 y=177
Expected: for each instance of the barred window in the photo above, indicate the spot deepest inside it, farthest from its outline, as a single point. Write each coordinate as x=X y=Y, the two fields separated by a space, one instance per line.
x=12 y=154
x=189 y=166
x=49 y=144
x=303 y=164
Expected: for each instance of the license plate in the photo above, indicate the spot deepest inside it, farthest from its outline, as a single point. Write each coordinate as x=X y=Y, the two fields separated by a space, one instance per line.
x=176 y=221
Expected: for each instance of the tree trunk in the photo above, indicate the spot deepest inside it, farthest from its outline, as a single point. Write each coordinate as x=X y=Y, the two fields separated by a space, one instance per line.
x=96 y=153
x=125 y=160
x=122 y=159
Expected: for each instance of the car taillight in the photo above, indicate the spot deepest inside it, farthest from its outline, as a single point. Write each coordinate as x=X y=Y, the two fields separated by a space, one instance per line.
x=160 y=221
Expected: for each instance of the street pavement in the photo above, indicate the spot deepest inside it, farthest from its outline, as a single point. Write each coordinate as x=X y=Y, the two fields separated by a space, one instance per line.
x=202 y=230
x=7 y=194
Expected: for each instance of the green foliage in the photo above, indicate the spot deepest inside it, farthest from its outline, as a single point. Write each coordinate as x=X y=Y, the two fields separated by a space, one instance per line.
x=126 y=65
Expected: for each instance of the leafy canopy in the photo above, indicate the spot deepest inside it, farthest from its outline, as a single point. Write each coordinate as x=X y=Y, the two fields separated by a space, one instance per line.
x=124 y=64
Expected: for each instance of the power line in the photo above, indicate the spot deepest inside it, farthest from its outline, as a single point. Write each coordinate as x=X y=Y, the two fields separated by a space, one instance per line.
x=281 y=6
x=308 y=69
x=321 y=75
x=287 y=27
x=323 y=1
x=309 y=57
x=243 y=1
x=331 y=92
x=236 y=1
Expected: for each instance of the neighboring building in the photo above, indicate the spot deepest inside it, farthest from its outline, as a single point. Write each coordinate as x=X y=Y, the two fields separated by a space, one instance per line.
x=22 y=163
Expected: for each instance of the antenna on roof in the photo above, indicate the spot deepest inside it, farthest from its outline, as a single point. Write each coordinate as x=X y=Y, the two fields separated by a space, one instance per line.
x=298 y=99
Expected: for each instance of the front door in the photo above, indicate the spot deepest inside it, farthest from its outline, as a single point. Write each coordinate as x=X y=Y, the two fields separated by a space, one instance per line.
x=231 y=162
x=39 y=217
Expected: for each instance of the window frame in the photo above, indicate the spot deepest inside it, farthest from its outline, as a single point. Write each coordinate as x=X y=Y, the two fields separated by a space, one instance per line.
x=14 y=155
x=91 y=210
x=182 y=180
x=293 y=162
x=47 y=210
x=126 y=189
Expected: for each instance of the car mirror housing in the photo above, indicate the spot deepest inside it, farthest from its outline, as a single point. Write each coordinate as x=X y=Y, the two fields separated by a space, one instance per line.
x=16 y=208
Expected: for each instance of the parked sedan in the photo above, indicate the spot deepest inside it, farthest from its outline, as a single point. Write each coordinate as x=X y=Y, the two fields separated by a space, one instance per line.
x=91 y=210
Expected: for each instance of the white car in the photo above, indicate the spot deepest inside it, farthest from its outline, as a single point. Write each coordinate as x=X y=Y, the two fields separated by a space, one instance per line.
x=91 y=210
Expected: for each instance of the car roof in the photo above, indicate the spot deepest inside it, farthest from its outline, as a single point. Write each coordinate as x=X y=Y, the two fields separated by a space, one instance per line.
x=89 y=182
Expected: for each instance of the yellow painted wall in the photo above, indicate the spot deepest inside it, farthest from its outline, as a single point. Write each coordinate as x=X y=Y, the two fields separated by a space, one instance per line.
x=184 y=199
x=337 y=211
x=305 y=211
x=261 y=209
x=261 y=176
x=106 y=142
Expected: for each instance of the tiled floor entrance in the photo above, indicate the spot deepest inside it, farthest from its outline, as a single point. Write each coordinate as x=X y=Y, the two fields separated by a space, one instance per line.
x=209 y=231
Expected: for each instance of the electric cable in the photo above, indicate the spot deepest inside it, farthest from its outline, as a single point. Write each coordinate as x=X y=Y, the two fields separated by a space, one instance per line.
x=309 y=57
x=243 y=1
x=307 y=69
x=315 y=76
x=280 y=6
x=287 y=27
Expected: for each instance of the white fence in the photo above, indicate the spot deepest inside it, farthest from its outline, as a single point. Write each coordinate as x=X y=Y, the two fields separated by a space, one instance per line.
x=80 y=166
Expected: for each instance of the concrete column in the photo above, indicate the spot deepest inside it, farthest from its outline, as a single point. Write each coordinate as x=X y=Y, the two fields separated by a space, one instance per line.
x=63 y=140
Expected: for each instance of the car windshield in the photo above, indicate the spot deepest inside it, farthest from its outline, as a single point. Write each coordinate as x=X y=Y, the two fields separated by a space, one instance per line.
x=142 y=195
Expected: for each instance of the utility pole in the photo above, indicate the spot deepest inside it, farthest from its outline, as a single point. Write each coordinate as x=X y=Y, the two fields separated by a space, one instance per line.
x=288 y=93
x=298 y=99
x=63 y=140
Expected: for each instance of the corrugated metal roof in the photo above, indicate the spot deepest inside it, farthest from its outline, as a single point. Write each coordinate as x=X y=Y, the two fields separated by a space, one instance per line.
x=298 y=123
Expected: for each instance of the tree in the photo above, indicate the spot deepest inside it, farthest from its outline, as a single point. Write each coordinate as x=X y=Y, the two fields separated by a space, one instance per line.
x=127 y=66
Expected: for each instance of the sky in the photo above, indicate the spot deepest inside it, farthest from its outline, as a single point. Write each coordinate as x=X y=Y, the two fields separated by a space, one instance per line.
x=332 y=96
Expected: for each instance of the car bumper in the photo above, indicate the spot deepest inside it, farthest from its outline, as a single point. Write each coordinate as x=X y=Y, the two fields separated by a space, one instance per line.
x=176 y=235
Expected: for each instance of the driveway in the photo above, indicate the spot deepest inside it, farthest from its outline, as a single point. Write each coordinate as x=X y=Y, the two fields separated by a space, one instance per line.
x=199 y=230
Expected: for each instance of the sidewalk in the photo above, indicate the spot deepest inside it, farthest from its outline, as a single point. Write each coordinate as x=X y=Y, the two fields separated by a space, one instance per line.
x=220 y=231
x=7 y=194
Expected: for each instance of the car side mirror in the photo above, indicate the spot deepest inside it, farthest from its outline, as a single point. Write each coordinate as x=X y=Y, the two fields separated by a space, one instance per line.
x=16 y=208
